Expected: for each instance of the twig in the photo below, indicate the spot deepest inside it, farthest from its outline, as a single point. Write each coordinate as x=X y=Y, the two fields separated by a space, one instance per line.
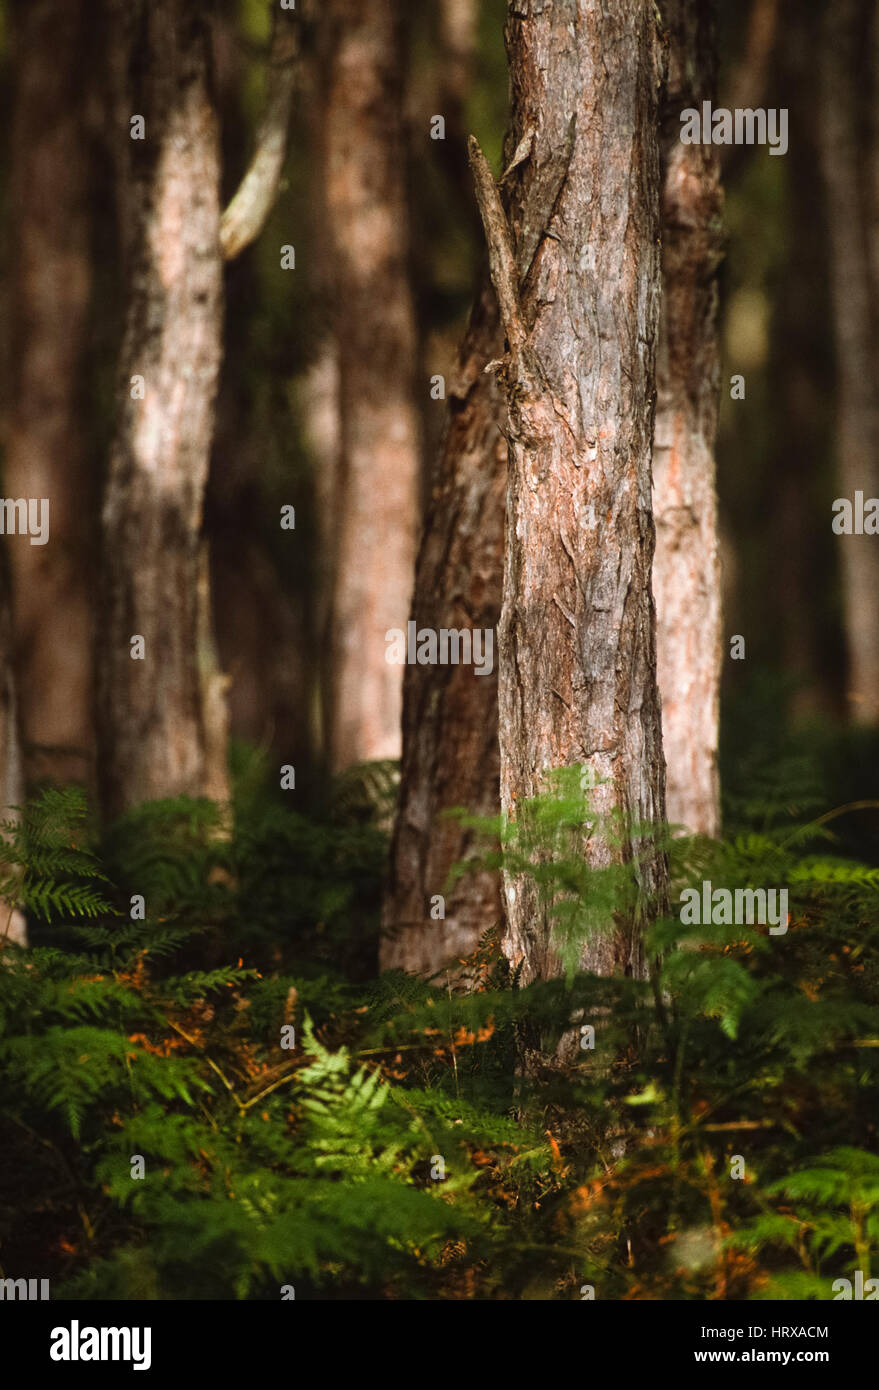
x=268 y=1089
x=228 y=1084
x=501 y=255
x=246 y=214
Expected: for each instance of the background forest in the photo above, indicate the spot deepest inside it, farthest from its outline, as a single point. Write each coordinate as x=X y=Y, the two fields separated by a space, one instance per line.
x=325 y=973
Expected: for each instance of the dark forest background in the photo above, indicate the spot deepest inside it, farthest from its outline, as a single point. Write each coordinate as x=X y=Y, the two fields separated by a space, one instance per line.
x=196 y=865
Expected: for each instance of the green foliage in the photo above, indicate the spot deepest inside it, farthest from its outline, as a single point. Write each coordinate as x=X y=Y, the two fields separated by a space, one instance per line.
x=44 y=868
x=428 y=1139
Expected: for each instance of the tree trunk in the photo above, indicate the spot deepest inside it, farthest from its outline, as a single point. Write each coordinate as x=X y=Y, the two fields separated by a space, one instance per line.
x=319 y=398
x=158 y=714
x=262 y=641
x=377 y=497
x=459 y=25
x=805 y=629
x=686 y=567
x=848 y=90
x=457 y=59
x=45 y=449
x=13 y=924
x=577 y=679
x=450 y=746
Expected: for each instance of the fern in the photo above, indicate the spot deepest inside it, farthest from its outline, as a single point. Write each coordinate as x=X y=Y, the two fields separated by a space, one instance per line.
x=425 y=1139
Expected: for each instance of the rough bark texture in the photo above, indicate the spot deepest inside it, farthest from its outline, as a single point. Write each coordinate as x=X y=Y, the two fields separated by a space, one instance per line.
x=848 y=90
x=450 y=746
x=577 y=635
x=45 y=449
x=378 y=474
x=686 y=566
x=156 y=714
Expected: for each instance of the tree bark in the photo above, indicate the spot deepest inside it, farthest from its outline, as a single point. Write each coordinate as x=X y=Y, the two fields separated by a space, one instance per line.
x=450 y=746
x=157 y=713
x=377 y=495
x=45 y=449
x=577 y=679
x=848 y=88
x=686 y=566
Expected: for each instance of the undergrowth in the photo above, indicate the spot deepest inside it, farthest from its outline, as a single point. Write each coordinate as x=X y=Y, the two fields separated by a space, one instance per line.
x=299 y=1122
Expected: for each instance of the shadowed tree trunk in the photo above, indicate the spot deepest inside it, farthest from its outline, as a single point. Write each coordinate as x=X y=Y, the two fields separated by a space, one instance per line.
x=458 y=49
x=450 y=751
x=848 y=86
x=377 y=489
x=45 y=449
x=806 y=624
x=13 y=926
x=258 y=620
x=318 y=391
x=873 y=168
x=686 y=567
x=450 y=747
x=459 y=24
x=158 y=714
x=749 y=80
x=577 y=676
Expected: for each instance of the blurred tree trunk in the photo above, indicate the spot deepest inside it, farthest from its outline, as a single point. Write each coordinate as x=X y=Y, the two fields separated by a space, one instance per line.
x=805 y=624
x=848 y=87
x=459 y=34
x=45 y=449
x=318 y=391
x=377 y=491
x=750 y=78
x=13 y=925
x=261 y=618
x=457 y=56
x=450 y=746
x=873 y=135
x=577 y=678
x=443 y=207
x=159 y=715
x=686 y=567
